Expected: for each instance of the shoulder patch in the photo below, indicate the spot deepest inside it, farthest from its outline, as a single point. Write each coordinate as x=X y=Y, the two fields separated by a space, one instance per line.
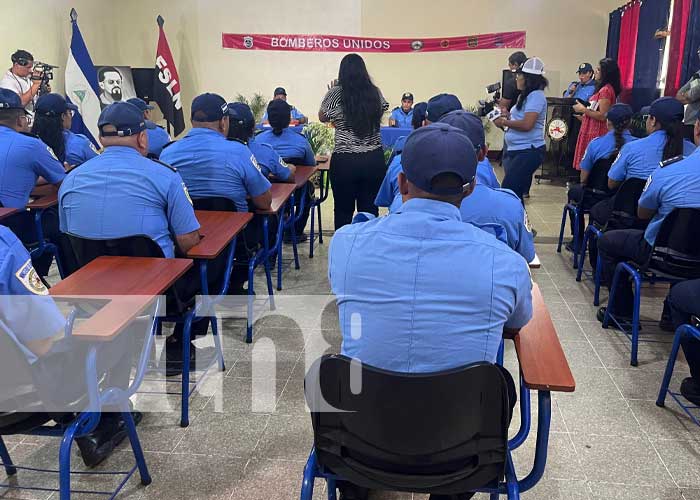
x=187 y=193
x=30 y=279
x=526 y=222
x=670 y=161
x=254 y=161
x=53 y=155
x=92 y=146
x=646 y=186
x=164 y=164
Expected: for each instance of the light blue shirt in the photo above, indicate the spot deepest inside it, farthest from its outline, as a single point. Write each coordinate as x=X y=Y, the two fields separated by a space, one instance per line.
x=289 y=145
x=403 y=120
x=421 y=291
x=485 y=174
x=674 y=186
x=23 y=159
x=516 y=140
x=269 y=161
x=602 y=147
x=388 y=194
x=157 y=138
x=500 y=206
x=295 y=115
x=213 y=166
x=584 y=91
x=27 y=313
x=121 y=193
x=79 y=148
x=639 y=159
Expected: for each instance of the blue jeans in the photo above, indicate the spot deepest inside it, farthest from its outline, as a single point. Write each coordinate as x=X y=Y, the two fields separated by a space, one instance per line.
x=519 y=166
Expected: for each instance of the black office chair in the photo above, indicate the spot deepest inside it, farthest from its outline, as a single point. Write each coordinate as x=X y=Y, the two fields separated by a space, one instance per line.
x=218 y=204
x=597 y=182
x=443 y=433
x=86 y=250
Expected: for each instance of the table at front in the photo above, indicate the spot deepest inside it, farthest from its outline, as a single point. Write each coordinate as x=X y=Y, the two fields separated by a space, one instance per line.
x=6 y=212
x=390 y=134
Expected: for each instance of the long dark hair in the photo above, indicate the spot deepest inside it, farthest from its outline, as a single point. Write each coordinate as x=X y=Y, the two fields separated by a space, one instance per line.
x=674 y=139
x=419 y=111
x=609 y=73
x=362 y=104
x=49 y=128
x=619 y=131
x=532 y=83
x=240 y=131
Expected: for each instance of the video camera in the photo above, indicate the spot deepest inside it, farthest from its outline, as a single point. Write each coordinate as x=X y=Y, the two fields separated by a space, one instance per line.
x=44 y=72
x=486 y=106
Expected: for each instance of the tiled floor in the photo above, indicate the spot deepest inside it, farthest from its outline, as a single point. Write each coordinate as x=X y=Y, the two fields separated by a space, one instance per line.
x=250 y=433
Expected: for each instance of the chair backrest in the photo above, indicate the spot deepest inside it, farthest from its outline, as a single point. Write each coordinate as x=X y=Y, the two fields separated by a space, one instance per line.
x=86 y=250
x=624 y=210
x=677 y=245
x=444 y=433
x=219 y=204
x=598 y=177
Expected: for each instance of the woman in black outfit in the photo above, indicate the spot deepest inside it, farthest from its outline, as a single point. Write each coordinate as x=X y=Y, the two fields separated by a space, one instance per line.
x=355 y=107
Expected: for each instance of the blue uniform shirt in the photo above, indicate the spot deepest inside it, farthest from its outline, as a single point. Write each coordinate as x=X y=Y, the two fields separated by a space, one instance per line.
x=23 y=159
x=397 y=148
x=485 y=174
x=388 y=194
x=157 y=138
x=289 y=145
x=27 y=312
x=79 y=149
x=500 y=206
x=516 y=140
x=639 y=159
x=403 y=120
x=121 y=193
x=584 y=91
x=295 y=115
x=674 y=186
x=213 y=166
x=421 y=291
x=602 y=147
x=269 y=161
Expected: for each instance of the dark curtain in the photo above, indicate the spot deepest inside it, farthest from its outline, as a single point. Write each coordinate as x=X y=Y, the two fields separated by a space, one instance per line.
x=614 y=33
x=679 y=28
x=628 y=48
x=653 y=15
x=691 y=61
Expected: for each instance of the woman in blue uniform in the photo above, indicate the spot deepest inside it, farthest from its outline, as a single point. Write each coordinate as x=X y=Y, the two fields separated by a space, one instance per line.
x=52 y=121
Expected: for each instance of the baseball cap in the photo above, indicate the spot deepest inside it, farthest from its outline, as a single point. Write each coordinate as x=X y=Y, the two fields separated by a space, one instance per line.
x=469 y=124
x=438 y=149
x=208 y=108
x=442 y=104
x=241 y=113
x=53 y=104
x=124 y=116
x=9 y=100
x=140 y=103
x=279 y=113
x=407 y=95
x=667 y=109
x=533 y=66
x=280 y=91
x=619 y=113
x=585 y=68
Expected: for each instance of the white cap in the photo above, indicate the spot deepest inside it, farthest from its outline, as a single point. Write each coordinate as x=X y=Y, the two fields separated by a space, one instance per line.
x=533 y=66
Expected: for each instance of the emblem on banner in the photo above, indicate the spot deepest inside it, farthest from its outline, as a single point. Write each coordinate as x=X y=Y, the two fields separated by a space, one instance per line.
x=444 y=44
x=248 y=42
x=472 y=42
x=416 y=44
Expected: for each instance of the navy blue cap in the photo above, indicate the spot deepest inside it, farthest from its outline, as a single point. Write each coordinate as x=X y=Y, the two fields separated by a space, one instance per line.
x=279 y=113
x=9 y=100
x=667 y=109
x=140 y=103
x=241 y=113
x=645 y=110
x=124 y=116
x=442 y=104
x=280 y=91
x=407 y=96
x=585 y=68
x=209 y=108
x=619 y=113
x=469 y=124
x=53 y=105
x=438 y=149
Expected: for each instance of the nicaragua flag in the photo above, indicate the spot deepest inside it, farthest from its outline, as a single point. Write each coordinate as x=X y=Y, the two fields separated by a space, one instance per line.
x=81 y=85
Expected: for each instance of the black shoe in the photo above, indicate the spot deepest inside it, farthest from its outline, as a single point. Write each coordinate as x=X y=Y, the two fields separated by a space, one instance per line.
x=109 y=433
x=569 y=245
x=619 y=317
x=690 y=389
x=526 y=195
x=173 y=358
x=666 y=324
x=300 y=238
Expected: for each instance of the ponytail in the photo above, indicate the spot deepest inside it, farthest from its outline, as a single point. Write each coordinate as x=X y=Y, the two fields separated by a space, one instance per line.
x=278 y=131
x=49 y=128
x=619 y=137
x=674 y=139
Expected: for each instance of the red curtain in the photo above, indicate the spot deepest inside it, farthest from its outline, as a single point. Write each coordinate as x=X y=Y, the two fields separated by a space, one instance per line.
x=679 y=29
x=627 y=49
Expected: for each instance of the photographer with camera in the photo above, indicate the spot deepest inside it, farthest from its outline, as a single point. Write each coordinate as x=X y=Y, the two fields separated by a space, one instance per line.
x=22 y=79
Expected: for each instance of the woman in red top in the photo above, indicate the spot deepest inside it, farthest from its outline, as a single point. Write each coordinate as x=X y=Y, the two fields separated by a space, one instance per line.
x=607 y=76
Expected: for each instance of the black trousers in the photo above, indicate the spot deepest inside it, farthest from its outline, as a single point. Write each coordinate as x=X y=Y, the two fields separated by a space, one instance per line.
x=355 y=180
x=689 y=132
x=520 y=166
x=620 y=246
x=683 y=301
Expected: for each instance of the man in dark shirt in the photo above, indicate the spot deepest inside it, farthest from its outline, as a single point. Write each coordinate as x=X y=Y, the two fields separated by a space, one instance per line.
x=510 y=91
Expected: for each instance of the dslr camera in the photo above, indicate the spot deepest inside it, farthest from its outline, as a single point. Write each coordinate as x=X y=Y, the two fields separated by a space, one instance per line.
x=486 y=106
x=44 y=73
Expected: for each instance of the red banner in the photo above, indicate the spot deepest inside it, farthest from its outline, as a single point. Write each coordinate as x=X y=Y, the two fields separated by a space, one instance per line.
x=337 y=43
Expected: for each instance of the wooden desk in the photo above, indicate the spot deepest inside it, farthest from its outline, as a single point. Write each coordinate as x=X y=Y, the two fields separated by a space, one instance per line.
x=43 y=190
x=128 y=285
x=44 y=202
x=6 y=212
x=217 y=230
x=542 y=360
x=535 y=263
x=303 y=174
x=280 y=194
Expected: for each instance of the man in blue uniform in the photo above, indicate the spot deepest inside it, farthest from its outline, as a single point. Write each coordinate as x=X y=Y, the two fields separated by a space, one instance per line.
x=24 y=159
x=157 y=136
x=674 y=184
x=585 y=87
x=296 y=116
x=402 y=116
x=122 y=193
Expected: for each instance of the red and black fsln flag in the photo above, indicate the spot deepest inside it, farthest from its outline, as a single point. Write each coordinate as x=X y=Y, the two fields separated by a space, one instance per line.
x=166 y=84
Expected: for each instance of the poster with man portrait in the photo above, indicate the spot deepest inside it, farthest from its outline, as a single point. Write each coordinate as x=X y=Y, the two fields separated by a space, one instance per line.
x=115 y=83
